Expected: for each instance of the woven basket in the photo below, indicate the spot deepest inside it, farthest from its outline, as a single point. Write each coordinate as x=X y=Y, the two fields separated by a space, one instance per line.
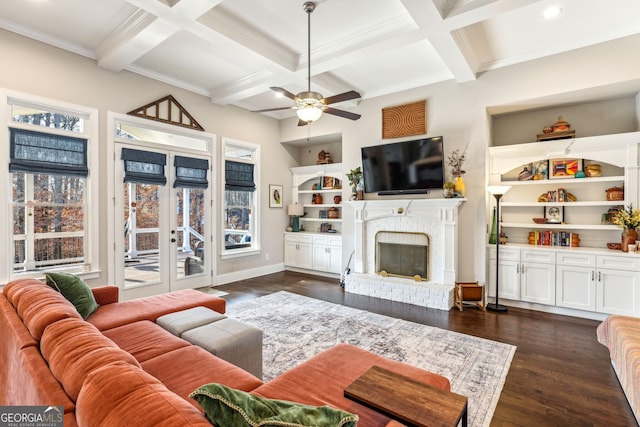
x=614 y=194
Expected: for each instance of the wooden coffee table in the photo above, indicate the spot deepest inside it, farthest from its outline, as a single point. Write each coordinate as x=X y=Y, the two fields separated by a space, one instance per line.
x=407 y=400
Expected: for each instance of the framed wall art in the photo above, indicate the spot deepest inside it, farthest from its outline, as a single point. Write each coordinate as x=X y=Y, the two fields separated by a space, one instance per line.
x=541 y=169
x=564 y=168
x=275 y=196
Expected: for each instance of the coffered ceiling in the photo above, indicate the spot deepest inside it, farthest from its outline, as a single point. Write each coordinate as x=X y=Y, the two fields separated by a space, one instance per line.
x=233 y=50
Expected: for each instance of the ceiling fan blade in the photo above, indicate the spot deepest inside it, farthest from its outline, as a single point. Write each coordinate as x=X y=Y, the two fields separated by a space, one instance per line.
x=273 y=109
x=352 y=94
x=346 y=114
x=285 y=93
x=302 y=123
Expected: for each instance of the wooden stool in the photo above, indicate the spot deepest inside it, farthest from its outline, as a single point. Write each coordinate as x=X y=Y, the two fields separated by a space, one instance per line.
x=469 y=291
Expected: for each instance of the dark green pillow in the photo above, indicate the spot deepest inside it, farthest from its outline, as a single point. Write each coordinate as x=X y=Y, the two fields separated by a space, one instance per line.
x=227 y=407
x=74 y=289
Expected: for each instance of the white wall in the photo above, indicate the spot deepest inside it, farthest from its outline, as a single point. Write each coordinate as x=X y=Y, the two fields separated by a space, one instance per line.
x=460 y=112
x=38 y=69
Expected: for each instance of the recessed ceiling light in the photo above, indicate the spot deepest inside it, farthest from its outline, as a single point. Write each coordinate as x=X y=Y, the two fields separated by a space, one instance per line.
x=552 y=12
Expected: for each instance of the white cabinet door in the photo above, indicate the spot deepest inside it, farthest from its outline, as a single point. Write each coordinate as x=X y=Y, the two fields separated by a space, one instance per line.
x=576 y=287
x=537 y=283
x=291 y=253
x=327 y=254
x=618 y=292
x=509 y=273
x=305 y=257
x=297 y=251
x=509 y=279
x=335 y=259
x=321 y=258
x=575 y=280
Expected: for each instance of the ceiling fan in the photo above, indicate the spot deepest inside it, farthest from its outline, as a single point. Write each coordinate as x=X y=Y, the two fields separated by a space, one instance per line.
x=310 y=105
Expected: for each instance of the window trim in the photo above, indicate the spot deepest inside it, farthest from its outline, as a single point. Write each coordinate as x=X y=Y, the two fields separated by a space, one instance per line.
x=91 y=134
x=255 y=160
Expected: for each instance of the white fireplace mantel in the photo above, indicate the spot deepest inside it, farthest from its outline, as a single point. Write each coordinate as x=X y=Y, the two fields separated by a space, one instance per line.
x=438 y=218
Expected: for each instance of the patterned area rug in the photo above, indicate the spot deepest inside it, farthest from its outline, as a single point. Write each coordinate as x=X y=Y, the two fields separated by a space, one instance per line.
x=296 y=328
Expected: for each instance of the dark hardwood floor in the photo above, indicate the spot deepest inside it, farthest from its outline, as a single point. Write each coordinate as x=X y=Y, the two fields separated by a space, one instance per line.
x=560 y=374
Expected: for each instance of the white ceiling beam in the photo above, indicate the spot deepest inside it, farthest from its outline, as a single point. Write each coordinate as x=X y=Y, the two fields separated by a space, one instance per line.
x=153 y=23
x=465 y=14
x=243 y=88
x=457 y=58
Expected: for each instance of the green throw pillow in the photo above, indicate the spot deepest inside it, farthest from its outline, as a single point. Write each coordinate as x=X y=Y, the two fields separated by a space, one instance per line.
x=74 y=289
x=227 y=407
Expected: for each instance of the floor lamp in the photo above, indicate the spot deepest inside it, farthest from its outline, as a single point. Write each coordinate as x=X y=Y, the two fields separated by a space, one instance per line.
x=497 y=191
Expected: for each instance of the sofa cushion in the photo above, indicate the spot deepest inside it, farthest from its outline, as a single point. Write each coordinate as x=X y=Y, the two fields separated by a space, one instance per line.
x=331 y=371
x=74 y=289
x=120 y=394
x=187 y=368
x=150 y=308
x=30 y=382
x=226 y=407
x=38 y=305
x=73 y=348
x=144 y=340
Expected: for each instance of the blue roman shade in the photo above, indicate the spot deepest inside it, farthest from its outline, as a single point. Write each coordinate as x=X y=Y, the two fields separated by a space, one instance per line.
x=239 y=176
x=38 y=152
x=190 y=172
x=144 y=167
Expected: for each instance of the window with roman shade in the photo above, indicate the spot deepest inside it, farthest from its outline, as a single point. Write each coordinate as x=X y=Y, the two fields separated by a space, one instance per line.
x=239 y=176
x=144 y=167
x=190 y=172
x=38 y=152
x=241 y=211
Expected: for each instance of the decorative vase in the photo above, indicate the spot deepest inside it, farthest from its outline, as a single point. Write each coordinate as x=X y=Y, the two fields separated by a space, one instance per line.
x=459 y=186
x=629 y=237
x=493 y=237
x=360 y=190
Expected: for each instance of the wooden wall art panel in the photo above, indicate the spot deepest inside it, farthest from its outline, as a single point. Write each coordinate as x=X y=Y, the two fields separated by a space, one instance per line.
x=167 y=110
x=404 y=120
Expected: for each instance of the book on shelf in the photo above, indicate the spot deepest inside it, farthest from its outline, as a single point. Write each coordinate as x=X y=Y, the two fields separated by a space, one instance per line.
x=554 y=238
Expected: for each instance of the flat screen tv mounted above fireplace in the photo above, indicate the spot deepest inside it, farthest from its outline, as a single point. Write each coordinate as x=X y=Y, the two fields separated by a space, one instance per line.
x=407 y=167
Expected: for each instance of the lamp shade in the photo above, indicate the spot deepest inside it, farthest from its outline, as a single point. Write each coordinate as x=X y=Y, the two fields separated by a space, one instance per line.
x=309 y=113
x=498 y=190
x=295 y=209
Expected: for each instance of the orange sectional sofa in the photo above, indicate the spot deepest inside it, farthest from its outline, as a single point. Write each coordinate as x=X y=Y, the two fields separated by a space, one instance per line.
x=118 y=367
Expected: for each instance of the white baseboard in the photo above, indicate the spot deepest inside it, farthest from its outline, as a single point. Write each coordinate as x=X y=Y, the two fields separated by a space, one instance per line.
x=235 y=276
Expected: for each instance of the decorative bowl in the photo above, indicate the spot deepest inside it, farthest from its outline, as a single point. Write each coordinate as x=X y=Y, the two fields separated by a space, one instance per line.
x=540 y=220
x=614 y=246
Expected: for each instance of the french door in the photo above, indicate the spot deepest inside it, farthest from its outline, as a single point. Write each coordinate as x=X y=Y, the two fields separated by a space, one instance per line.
x=163 y=227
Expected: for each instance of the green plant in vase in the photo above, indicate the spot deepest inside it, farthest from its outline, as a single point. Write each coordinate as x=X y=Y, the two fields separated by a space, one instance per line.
x=355 y=177
x=629 y=220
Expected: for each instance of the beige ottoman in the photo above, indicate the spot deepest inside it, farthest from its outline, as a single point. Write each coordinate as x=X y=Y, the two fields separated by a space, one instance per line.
x=231 y=340
x=181 y=321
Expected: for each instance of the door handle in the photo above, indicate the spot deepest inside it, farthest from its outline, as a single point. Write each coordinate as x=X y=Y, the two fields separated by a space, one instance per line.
x=593 y=275
x=599 y=276
x=173 y=240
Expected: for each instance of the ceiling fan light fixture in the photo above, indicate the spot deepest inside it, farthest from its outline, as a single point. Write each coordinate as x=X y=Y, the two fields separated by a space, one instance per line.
x=309 y=113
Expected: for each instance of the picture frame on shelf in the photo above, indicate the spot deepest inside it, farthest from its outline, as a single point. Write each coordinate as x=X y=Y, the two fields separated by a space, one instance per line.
x=540 y=169
x=554 y=214
x=275 y=196
x=327 y=183
x=564 y=168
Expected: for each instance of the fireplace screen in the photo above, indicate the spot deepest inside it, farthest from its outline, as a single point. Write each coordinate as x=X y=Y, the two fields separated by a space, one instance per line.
x=402 y=254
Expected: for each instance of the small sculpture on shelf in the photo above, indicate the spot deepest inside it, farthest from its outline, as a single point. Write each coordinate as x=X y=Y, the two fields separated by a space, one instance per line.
x=561 y=129
x=324 y=158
